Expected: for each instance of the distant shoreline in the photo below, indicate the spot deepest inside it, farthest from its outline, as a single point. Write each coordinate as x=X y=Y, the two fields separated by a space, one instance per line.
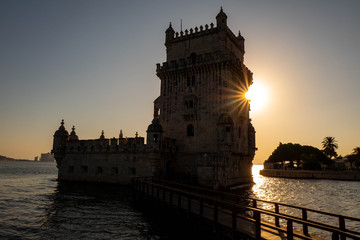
x=307 y=174
x=16 y=160
x=7 y=159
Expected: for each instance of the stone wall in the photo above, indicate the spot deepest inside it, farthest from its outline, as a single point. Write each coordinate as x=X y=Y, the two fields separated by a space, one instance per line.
x=109 y=167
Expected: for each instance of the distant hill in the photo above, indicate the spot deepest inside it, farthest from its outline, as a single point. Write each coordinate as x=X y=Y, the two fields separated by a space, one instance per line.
x=3 y=158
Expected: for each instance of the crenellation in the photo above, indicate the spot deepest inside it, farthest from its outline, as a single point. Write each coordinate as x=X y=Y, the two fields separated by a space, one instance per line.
x=194 y=32
x=201 y=59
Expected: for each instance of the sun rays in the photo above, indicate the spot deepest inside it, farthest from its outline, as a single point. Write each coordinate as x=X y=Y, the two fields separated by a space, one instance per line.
x=236 y=101
x=258 y=96
x=242 y=96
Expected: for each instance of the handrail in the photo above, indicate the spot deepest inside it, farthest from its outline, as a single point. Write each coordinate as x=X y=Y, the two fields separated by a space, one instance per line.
x=260 y=200
x=257 y=211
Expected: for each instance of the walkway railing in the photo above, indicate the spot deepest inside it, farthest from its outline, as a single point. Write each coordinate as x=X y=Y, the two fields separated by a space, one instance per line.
x=229 y=203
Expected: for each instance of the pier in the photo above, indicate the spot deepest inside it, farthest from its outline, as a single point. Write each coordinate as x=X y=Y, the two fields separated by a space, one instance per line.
x=232 y=216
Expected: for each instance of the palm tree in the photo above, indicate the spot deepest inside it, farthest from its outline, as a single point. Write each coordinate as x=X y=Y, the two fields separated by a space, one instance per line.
x=354 y=158
x=329 y=144
x=356 y=151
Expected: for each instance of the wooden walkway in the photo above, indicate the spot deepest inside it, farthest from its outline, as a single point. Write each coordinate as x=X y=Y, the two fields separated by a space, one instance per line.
x=224 y=211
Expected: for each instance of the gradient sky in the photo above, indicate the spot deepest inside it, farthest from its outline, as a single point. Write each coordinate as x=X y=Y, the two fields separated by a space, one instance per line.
x=93 y=64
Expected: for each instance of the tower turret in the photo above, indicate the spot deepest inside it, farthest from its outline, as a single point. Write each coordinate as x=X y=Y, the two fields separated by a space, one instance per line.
x=60 y=138
x=73 y=136
x=241 y=40
x=121 y=136
x=154 y=133
x=169 y=34
x=221 y=19
x=102 y=135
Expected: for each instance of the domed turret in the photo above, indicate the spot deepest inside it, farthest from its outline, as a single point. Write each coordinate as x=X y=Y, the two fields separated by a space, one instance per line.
x=169 y=34
x=154 y=133
x=155 y=126
x=60 y=138
x=73 y=136
x=102 y=135
x=221 y=19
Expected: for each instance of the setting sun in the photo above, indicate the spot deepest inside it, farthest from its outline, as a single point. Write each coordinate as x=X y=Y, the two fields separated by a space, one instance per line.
x=258 y=96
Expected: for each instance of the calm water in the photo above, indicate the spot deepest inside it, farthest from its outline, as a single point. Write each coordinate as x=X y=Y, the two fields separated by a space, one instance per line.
x=341 y=197
x=33 y=205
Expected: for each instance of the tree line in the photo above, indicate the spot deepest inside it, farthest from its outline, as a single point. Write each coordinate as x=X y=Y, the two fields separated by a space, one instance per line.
x=312 y=158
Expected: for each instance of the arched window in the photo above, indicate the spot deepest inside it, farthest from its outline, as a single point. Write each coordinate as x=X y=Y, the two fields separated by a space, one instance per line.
x=191 y=104
x=190 y=130
x=193 y=58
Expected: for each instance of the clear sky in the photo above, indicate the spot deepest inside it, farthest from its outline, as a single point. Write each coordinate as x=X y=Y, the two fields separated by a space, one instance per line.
x=93 y=64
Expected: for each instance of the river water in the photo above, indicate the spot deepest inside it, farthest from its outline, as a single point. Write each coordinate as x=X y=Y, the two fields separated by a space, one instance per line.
x=33 y=205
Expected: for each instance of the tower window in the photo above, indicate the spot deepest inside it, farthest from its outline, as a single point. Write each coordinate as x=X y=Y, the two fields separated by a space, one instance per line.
x=191 y=104
x=193 y=58
x=227 y=129
x=190 y=130
x=188 y=81
x=132 y=170
x=114 y=170
x=84 y=169
x=193 y=80
x=155 y=137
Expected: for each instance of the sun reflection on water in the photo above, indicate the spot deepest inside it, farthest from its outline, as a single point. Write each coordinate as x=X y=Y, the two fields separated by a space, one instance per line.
x=327 y=195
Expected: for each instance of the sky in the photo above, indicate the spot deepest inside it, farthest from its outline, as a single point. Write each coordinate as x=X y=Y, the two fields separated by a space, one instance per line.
x=93 y=64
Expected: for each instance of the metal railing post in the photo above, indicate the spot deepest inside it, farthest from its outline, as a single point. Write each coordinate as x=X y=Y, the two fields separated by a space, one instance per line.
x=305 y=226
x=277 y=222
x=254 y=206
x=342 y=227
x=257 y=217
x=289 y=232
x=335 y=236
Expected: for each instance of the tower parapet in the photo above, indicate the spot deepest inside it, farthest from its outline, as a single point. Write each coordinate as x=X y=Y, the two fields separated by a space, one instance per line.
x=204 y=39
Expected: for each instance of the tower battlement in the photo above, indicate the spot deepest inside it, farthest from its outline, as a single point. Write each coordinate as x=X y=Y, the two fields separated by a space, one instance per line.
x=203 y=31
x=202 y=60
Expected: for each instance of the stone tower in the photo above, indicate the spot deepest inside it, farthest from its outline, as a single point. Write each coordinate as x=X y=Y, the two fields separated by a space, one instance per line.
x=202 y=105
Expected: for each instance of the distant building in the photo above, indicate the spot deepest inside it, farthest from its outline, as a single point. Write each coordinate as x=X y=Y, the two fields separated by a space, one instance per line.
x=46 y=157
x=201 y=128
